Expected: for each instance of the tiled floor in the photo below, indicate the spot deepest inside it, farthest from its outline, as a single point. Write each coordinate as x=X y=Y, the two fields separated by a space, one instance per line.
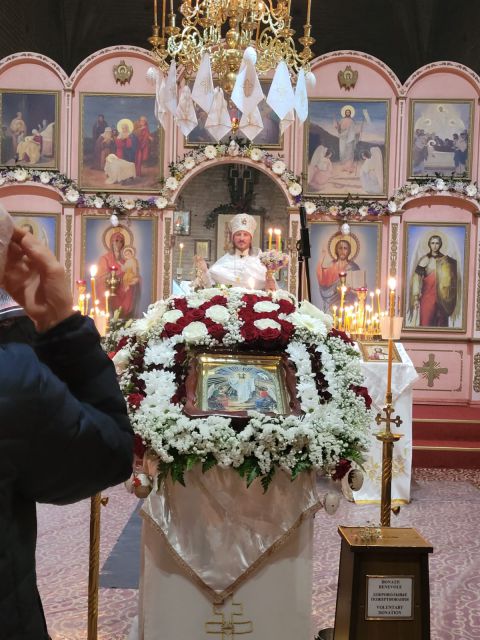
x=444 y=509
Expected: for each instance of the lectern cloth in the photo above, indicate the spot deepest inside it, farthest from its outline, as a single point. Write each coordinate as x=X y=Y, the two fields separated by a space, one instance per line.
x=220 y=531
x=404 y=376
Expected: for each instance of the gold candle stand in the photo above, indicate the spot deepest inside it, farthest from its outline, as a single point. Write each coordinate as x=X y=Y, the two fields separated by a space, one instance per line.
x=388 y=439
x=94 y=564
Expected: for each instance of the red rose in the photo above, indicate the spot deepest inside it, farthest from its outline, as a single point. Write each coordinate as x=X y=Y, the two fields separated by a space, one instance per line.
x=271 y=315
x=285 y=306
x=138 y=447
x=180 y=303
x=362 y=392
x=216 y=331
x=335 y=333
x=249 y=332
x=270 y=334
x=342 y=468
x=111 y=354
x=180 y=355
x=287 y=329
x=135 y=399
x=180 y=395
x=171 y=329
x=193 y=315
x=250 y=299
x=247 y=315
x=221 y=300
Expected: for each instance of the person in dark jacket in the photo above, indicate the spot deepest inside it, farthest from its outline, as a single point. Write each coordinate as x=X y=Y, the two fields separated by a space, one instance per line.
x=64 y=430
x=15 y=325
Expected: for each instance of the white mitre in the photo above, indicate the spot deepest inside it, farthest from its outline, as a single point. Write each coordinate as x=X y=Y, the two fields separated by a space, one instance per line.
x=242 y=222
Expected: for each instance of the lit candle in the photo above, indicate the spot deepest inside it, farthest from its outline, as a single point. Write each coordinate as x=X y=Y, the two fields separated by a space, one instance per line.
x=93 y=273
x=171 y=6
x=251 y=283
x=180 y=256
x=392 y=283
x=309 y=8
x=343 y=291
x=107 y=296
x=270 y=237
x=278 y=235
x=334 y=308
x=377 y=291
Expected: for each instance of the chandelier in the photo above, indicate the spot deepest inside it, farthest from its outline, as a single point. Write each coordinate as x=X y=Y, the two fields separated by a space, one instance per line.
x=218 y=39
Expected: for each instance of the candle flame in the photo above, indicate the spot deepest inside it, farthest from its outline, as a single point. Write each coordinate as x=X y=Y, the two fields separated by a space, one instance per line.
x=392 y=284
x=93 y=270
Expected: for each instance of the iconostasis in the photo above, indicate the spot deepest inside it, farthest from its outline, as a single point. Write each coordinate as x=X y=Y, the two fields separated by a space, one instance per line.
x=86 y=168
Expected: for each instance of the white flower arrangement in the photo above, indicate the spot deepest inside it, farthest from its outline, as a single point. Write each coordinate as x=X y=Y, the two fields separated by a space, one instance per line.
x=334 y=422
x=294 y=189
x=278 y=167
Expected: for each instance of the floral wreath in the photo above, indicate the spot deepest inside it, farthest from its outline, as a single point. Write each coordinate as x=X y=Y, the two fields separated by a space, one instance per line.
x=151 y=357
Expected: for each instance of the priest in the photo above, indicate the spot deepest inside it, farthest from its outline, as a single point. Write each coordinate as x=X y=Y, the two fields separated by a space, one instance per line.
x=241 y=266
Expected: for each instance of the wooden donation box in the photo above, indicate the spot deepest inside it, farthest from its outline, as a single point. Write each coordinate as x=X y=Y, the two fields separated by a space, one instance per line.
x=383 y=586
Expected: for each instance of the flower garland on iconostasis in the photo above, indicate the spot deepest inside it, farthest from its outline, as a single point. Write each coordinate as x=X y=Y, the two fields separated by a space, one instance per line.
x=152 y=355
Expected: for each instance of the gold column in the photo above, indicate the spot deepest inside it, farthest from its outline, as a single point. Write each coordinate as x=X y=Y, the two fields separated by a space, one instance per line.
x=94 y=564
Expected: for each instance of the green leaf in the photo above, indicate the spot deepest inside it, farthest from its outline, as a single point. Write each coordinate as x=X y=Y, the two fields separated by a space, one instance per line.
x=266 y=479
x=209 y=463
x=301 y=465
x=253 y=473
x=192 y=460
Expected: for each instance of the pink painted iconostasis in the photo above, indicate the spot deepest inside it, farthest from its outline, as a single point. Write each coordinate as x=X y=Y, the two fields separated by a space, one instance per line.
x=76 y=149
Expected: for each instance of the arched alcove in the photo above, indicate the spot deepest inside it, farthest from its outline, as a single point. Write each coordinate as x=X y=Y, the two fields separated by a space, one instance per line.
x=210 y=196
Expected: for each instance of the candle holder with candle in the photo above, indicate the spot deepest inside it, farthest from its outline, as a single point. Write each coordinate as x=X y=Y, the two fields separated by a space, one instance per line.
x=81 y=290
x=391 y=329
x=113 y=280
x=273 y=260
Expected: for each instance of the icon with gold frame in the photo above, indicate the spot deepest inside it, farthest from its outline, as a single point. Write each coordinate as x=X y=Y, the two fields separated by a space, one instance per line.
x=377 y=351
x=232 y=384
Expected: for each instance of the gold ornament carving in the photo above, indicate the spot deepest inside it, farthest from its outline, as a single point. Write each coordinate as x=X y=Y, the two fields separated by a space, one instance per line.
x=167 y=258
x=431 y=370
x=476 y=370
x=347 y=79
x=68 y=247
x=122 y=72
x=394 y=250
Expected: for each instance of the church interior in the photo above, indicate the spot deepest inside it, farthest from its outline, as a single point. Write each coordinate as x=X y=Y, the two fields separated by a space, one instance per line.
x=348 y=154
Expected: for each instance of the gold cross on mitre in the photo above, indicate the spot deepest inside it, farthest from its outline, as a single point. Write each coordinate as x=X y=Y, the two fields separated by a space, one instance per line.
x=244 y=221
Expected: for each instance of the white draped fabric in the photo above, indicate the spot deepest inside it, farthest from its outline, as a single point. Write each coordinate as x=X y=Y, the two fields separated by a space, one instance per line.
x=218 y=546
x=404 y=376
x=237 y=270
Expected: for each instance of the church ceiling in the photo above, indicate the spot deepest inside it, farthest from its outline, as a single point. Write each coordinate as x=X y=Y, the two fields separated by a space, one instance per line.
x=405 y=34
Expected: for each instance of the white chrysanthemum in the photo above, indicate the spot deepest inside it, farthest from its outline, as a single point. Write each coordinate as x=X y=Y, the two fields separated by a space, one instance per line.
x=189 y=163
x=171 y=183
x=295 y=189
x=210 y=152
x=161 y=202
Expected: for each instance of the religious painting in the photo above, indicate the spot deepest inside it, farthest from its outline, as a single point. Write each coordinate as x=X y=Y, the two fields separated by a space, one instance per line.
x=44 y=227
x=377 y=351
x=181 y=223
x=124 y=254
x=233 y=384
x=357 y=254
x=223 y=233
x=30 y=128
x=202 y=249
x=120 y=146
x=440 y=138
x=347 y=147
x=269 y=138
x=435 y=276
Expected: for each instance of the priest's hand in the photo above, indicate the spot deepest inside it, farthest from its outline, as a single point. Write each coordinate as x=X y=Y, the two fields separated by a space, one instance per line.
x=36 y=280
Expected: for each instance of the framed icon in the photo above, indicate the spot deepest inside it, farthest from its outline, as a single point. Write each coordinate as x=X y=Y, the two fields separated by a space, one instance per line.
x=181 y=223
x=377 y=351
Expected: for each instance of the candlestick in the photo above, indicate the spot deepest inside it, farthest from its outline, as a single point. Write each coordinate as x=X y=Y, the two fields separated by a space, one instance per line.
x=87 y=305
x=270 y=238
x=164 y=6
x=309 y=8
x=343 y=290
x=93 y=273
x=179 y=266
x=155 y=23
x=392 y=283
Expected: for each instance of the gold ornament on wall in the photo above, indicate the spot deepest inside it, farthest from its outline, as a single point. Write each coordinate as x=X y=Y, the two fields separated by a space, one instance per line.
x=347 y=79
x=122 y=72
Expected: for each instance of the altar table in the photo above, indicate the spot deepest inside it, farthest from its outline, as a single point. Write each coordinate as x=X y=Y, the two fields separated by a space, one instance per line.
x=404 y=376
x=220 y=559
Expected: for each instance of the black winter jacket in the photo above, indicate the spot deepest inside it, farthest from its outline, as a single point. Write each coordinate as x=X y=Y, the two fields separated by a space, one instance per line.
x=64 y=435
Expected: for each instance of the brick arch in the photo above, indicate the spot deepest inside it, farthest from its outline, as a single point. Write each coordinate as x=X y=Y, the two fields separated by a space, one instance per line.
x=209 y=164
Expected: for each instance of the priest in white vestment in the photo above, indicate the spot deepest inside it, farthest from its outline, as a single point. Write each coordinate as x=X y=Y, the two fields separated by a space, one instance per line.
x=241 y=266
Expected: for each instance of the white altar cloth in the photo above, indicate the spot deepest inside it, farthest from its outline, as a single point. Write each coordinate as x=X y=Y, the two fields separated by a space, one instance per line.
x=403 y=377
x=263 y=543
